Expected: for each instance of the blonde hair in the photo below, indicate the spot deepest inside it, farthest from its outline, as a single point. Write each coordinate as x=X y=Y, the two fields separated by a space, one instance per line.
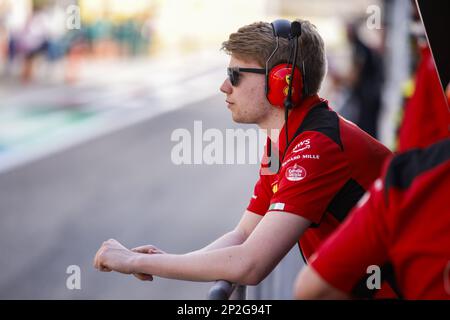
x=256 y=41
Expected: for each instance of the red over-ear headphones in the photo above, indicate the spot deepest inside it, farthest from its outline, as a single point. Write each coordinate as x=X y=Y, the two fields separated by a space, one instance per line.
x=280 y=90
x=285 y=83
x=278 y=82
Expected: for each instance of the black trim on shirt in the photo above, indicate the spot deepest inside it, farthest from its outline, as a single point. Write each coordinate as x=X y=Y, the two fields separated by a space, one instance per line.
x=323 y=120
x=319 y=119
x=361 y=291
x=345 y=199
x=405 y=167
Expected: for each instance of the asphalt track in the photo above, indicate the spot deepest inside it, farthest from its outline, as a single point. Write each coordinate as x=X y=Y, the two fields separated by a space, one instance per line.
x=56 y=211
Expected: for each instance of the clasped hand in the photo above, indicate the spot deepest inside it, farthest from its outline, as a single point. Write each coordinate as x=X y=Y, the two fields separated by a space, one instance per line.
x=113 y=256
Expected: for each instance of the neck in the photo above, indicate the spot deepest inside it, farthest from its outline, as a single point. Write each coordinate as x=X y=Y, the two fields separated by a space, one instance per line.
x=273 y=123
x=274 y=120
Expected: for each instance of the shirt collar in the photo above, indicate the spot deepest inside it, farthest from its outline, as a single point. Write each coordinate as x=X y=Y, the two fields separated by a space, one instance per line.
x=295 y=119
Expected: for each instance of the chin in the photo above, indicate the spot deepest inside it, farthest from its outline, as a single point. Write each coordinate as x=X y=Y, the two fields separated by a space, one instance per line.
x=241 y=120
x=236 y=118
x=244 y=118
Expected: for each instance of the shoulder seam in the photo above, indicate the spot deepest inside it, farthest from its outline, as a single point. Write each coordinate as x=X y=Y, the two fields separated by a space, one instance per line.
x=321 y=119
x=406 y=167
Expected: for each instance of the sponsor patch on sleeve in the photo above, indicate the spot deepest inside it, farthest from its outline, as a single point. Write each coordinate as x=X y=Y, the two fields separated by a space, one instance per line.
x=295 y=173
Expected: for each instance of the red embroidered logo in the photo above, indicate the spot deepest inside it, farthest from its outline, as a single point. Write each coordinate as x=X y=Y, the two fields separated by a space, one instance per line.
x=295 y=173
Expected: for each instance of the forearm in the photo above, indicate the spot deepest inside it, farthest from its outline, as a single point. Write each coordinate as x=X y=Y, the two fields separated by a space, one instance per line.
x=229 y=239
x=231 y=263
x=310 y=285
x=239 y=235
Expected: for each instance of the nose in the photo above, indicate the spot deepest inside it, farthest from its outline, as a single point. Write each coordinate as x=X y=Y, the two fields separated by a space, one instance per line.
x=226 y=87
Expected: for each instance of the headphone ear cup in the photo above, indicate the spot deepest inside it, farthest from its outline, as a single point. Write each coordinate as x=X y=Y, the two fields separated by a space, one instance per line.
x=278 y=85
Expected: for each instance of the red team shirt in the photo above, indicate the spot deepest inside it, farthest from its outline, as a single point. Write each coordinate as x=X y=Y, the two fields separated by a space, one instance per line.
x=326 y=169
x=405 y=222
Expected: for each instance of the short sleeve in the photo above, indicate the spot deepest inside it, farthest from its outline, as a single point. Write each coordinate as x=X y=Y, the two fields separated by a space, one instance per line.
x=262 y=193
x=313 y=171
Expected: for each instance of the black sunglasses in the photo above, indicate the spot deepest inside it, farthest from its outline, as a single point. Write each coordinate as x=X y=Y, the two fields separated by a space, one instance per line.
x=233 y=73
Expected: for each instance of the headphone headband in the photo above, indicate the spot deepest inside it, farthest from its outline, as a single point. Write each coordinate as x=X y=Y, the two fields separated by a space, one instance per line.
x=281 y=28
x=286 y=29
x=292 y=32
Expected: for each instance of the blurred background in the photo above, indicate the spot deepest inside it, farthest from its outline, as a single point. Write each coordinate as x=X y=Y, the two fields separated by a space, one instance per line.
x=90 y=92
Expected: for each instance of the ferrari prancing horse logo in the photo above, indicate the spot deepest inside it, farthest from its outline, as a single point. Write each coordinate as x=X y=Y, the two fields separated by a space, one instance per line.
x=288 y=79
x=286 y=89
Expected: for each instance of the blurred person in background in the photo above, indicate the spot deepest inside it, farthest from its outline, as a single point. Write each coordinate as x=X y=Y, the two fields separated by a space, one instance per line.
x=8 y=37
x=364 y=82
x=426 y=114
x=3 y=34
x=404 y=222
x=325 y=164
x=33 y=39
x=102 y=35
x=147 y=32
x=128 y=36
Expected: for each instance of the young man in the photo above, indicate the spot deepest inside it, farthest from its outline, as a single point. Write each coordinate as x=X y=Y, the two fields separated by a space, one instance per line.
x=405 y=222
x=326 y=163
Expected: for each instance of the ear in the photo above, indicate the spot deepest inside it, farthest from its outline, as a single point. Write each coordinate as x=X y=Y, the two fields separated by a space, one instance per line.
x=278 y=85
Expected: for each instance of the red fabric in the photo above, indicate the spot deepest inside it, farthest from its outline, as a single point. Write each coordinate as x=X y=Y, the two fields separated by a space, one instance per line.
x=410 y=230
x=314 y=169
x=426 y=117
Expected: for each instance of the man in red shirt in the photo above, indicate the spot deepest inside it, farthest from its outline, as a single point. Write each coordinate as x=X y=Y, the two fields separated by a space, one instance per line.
x=404 y=222
x=317 y=165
